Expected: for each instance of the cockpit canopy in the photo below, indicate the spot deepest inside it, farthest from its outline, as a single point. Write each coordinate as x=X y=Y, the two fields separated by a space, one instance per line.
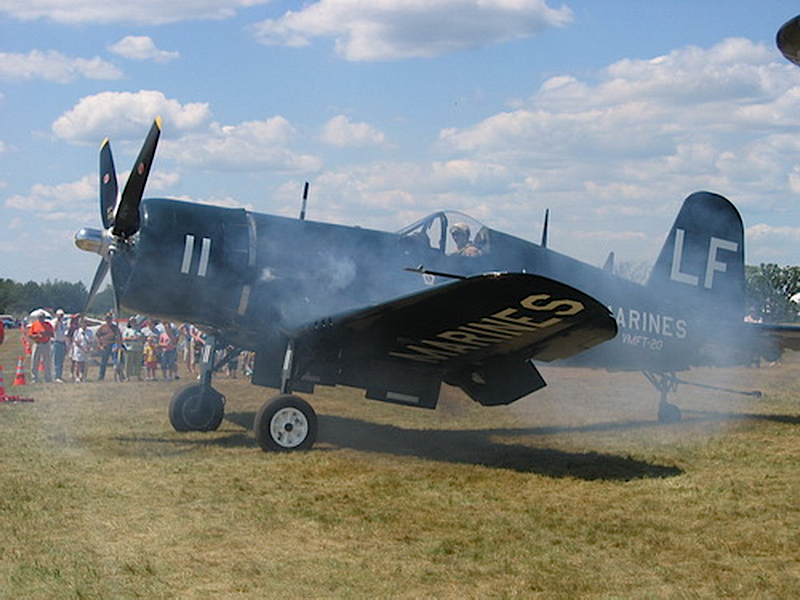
x=441 y=231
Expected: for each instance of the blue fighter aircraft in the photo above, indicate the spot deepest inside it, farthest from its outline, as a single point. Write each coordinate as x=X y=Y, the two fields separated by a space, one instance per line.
x=396 y=314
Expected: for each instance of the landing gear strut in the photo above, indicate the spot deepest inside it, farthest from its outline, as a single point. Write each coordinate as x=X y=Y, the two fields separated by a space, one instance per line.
x=665 y=383
x=287 y=422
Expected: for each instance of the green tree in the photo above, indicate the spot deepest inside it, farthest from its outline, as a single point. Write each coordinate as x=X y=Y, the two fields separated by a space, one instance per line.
x=20 y=298
x=769 y=291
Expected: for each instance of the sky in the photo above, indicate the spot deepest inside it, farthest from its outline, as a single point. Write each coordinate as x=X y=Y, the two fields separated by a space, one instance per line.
x=607 y=113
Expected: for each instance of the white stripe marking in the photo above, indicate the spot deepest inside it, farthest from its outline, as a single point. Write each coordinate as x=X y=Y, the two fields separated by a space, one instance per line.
x=188 y=250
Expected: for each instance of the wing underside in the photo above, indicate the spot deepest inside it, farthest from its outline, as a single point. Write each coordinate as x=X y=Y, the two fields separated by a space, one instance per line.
x=479 y=334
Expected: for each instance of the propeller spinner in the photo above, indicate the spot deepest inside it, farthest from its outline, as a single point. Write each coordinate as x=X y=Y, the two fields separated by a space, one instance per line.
x=120 y=224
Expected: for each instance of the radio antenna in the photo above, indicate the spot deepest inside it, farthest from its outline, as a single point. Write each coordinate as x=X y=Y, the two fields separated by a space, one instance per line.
x=305 y=201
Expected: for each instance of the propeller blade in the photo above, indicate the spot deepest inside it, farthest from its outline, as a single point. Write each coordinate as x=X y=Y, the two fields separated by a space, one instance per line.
x=99 y=276
x=108 y=185
x=126 y=221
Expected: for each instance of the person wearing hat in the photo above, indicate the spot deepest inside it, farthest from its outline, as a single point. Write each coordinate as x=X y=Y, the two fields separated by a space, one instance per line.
x=60 y=343
x=41 y=332
x=464 y=247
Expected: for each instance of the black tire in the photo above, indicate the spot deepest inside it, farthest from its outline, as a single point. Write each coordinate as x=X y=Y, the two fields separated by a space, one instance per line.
x=286 y=424
x=668 y=413
x=196 y=408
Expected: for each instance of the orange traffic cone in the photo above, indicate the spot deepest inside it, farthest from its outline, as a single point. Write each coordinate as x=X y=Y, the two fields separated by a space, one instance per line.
x=3 y=397
x=19 y=378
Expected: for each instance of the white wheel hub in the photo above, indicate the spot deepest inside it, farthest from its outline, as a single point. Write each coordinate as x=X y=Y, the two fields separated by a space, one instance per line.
x=288 y=427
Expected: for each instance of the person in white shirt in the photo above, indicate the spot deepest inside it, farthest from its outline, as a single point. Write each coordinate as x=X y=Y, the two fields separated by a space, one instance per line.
x=60 y=344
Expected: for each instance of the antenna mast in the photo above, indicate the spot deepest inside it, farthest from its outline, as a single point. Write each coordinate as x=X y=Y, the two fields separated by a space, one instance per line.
x=305 y=201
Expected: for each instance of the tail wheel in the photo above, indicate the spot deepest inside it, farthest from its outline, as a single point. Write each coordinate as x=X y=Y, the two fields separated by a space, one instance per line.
x=285 y=424
x=196 y=408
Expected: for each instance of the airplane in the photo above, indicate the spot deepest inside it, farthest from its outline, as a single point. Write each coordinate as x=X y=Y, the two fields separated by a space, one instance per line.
x=397 y=314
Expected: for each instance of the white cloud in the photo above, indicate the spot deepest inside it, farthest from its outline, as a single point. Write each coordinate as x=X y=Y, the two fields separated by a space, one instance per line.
x=396 y=29
x=54 y=66
x=763 y=231
x=192 y=140
x=141 y=47
x=146 y=12
x=713 y=117
x=62 y=197
x=340 y=132
x=613 y=153
x=126 y=115
x=772 y=243
x=249 y=146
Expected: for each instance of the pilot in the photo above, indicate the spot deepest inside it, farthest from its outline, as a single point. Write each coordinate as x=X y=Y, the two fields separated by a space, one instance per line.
x=464 y=247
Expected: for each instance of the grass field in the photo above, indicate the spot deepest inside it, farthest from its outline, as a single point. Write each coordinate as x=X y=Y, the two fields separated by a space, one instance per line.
x=575 y=491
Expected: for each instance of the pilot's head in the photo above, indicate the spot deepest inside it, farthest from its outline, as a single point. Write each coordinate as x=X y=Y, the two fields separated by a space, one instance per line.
x=460 y=233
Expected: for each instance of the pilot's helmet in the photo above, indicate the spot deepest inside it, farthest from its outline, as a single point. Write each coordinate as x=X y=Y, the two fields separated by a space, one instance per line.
x=459 y=229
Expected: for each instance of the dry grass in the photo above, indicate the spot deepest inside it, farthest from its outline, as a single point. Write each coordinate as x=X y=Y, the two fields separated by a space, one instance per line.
x=573 y=492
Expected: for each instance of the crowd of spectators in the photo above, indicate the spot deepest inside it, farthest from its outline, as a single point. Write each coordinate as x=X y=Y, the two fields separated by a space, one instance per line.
x=63 y=348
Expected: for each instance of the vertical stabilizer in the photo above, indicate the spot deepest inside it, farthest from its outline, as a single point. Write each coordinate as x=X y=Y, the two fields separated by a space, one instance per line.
x=702 y=260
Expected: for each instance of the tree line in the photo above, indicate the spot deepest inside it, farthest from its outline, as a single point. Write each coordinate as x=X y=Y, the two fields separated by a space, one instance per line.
x=769 y=289
x=19 y=299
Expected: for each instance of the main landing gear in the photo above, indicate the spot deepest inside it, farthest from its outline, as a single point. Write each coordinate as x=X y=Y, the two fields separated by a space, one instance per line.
x=284 y=423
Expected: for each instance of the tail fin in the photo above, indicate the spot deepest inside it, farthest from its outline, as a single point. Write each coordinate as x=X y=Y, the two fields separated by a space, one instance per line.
x=702 y=259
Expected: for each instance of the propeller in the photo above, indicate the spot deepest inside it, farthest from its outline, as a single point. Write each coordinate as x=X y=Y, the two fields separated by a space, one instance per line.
x=120 y=220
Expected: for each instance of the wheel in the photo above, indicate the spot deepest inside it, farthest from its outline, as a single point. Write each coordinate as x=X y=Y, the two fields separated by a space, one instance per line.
x=196 y=408
x=286 y=423
x=668 y=413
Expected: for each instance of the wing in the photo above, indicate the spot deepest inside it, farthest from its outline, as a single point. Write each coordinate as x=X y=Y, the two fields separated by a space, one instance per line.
x=478 y=333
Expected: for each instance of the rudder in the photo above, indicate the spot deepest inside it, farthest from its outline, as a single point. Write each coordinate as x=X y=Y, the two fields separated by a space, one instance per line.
x=702 y=259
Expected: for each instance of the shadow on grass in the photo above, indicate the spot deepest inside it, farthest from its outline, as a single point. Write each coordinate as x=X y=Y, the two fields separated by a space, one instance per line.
x=476 y=448
x=720 y=416
x=192 y=440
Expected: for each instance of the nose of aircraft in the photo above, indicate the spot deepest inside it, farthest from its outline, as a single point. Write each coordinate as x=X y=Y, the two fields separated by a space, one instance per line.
x=91 y=240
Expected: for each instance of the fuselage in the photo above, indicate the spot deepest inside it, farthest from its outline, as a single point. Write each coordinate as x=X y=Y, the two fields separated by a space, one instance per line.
x=248 y=277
